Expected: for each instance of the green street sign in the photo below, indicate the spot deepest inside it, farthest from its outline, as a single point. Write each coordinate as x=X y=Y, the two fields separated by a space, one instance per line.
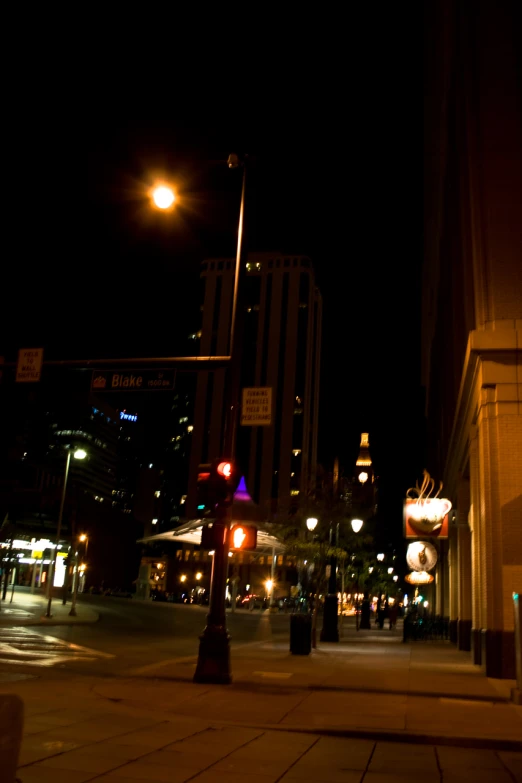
x=132 y=380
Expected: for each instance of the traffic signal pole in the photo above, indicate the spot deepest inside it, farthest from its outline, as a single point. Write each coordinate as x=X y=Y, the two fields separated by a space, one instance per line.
x=213 y=664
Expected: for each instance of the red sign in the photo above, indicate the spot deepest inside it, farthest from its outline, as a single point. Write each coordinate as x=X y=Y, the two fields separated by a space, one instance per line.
x=427 y=518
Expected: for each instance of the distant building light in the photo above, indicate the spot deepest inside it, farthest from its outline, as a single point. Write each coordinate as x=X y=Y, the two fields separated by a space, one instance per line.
x=157 y=493
x=155 y=521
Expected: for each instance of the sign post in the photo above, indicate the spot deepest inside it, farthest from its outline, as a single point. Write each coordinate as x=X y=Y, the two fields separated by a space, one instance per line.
x=29 y=365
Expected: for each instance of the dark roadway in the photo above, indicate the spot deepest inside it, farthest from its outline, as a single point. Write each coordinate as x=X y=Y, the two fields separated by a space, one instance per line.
x=138 y=636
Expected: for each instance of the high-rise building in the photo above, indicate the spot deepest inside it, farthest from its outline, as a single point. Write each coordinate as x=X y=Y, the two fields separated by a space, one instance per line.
x=472 y=311
x=281 y=351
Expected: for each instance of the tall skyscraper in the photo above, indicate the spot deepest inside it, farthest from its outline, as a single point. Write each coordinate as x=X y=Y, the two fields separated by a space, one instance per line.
x=281 y=351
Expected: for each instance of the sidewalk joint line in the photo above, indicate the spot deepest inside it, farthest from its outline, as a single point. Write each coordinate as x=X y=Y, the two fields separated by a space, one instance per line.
x=89 y=745
x=201 y=771
x=299 y=759
x=511 y=774
x=370 y=757
x=439 y=767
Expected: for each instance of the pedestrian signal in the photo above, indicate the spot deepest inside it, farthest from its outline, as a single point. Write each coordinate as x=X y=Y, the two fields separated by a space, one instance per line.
x=243 y=537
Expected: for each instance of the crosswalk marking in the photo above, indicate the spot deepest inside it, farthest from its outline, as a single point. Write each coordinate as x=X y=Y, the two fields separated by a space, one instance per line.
x=25 y=647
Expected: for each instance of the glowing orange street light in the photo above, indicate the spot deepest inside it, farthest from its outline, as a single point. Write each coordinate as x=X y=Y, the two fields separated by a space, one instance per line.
x=163 y=196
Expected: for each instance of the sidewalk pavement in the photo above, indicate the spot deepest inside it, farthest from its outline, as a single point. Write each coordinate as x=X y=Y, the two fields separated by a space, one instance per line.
x=369 y=709
x=28 y=609
x=120 y=745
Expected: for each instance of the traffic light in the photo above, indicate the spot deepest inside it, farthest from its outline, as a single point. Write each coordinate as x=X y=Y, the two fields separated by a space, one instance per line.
x=223 y=481
x=243 y=537
x=202 y=490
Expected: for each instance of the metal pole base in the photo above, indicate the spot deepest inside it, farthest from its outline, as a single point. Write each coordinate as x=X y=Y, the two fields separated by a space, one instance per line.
x=214 y=656
x=330 y=630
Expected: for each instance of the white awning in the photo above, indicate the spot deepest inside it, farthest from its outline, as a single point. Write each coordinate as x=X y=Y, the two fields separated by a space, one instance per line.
x=190 y=533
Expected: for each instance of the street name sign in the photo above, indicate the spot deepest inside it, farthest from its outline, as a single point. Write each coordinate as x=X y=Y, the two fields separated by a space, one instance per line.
x=256 y=410
x=29 y=365
x=132 y=380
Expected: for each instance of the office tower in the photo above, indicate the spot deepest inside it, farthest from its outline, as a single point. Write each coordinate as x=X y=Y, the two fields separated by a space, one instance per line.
x=281 y=351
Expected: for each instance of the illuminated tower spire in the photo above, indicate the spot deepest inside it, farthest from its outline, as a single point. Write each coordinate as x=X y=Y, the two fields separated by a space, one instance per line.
x=364 y=459
x=363 y=485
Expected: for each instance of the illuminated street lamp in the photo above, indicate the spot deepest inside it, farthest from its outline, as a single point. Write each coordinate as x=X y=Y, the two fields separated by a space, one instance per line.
x=356 y=525
x=163 y=197
x=311 y=523
x=380 y=557
x=78 y=454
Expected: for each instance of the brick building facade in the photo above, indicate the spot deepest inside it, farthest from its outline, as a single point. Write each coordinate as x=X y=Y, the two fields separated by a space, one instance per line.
x=472 y=314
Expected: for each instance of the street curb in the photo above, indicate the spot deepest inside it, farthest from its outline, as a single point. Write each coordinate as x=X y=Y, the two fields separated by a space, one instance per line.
x=21 y=623
x=255 y=687
x=384 y=735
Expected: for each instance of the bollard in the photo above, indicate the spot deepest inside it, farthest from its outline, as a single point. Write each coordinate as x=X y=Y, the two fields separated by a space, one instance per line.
x=11 y=727
x=516 y=693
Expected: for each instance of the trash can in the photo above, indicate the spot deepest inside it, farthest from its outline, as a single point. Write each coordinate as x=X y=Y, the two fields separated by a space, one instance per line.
x=300 y=634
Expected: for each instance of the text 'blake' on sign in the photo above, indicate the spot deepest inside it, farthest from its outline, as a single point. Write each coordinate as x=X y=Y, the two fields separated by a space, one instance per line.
x=133 y=380
x=256 y=408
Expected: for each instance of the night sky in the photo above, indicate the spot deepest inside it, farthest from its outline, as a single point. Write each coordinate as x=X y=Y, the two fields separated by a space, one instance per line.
x=337 y=175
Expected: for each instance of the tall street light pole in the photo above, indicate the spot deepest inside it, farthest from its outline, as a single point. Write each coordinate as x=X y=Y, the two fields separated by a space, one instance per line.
x=213 y=665
x=78 y=454
x=330 y=629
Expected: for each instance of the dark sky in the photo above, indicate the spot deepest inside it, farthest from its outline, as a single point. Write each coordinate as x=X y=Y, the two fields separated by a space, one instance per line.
x=337 y=142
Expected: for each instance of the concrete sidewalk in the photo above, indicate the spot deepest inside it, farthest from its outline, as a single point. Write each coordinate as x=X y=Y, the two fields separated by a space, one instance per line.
x=29 y=609
x=84 y=729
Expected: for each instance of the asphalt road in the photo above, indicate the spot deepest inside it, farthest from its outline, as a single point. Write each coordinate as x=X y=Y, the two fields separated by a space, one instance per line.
x=130 y=636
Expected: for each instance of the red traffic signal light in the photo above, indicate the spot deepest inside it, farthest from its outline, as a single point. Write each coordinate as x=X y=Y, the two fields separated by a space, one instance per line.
x=225 y=469
x=224 y=478
x=243 y=537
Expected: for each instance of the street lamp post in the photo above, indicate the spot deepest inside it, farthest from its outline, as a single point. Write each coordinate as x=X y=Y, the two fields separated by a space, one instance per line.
x=78 y=454
x=76 y=578
x=330 y=629
x=356 y=527
x=213 y=665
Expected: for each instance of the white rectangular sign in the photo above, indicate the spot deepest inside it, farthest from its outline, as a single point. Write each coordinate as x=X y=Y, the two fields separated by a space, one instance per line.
x=29 y=365
x=256 y=410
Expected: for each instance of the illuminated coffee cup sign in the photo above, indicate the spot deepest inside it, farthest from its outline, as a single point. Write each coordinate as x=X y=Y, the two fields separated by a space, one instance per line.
x=426 y=514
